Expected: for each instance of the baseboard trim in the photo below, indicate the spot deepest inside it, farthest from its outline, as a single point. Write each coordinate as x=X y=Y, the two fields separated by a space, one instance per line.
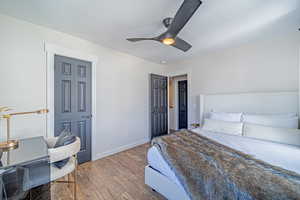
x=120 y=149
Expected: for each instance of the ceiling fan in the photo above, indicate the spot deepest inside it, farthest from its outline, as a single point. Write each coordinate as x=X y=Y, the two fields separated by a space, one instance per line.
x=174 y=26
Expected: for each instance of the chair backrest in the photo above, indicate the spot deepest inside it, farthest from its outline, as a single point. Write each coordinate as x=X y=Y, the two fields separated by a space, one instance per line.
x=63 y=152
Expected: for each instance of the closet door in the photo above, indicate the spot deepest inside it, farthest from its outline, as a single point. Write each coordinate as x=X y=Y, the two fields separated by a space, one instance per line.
x=73 y=101
x=159 y=105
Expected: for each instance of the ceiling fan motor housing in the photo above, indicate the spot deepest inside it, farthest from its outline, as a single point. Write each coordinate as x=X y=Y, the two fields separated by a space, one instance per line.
x=167 y=21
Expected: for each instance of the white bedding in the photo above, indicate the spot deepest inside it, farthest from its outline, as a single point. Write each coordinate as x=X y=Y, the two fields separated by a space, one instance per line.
x=285 y=156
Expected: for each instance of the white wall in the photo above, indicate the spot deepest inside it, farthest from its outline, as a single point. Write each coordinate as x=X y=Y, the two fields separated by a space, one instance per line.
x=122 y=84
x=264 y=65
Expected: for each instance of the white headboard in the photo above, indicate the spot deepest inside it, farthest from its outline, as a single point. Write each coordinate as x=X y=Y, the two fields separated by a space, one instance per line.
x=262 y=103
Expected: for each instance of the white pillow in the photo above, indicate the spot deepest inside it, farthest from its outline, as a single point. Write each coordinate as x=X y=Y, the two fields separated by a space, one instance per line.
x=280 y=115
x=278 y=121
x=224 y=116
x=281 y=135
x=234 y=128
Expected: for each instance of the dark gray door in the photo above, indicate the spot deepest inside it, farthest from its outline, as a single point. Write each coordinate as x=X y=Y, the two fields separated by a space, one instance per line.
x=182 y=105
x=159 y=105
x=73 y=102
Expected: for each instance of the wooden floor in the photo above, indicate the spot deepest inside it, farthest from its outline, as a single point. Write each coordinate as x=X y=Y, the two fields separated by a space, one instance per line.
x=117 y=177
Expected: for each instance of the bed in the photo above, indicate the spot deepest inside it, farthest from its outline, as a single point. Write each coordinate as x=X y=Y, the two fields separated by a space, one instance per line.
x=161 y=178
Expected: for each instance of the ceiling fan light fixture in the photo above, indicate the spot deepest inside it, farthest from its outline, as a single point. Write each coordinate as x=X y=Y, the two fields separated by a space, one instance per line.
x=168 y=41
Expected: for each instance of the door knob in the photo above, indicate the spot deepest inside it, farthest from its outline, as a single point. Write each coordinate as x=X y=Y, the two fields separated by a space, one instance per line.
x=86 y=117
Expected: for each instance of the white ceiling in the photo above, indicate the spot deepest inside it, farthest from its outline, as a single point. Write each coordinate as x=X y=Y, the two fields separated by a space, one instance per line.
x=216 y=24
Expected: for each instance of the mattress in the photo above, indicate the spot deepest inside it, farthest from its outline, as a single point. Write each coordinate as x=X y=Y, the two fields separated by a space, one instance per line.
x=281 y=155
x=157 y=162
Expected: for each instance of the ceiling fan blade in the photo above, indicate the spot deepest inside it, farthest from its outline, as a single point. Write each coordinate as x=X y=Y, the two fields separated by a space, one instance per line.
x=181 y=44
x=139 y=39
x=183 y=15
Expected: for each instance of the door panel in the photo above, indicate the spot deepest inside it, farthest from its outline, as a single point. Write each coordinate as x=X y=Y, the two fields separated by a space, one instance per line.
x=159 y=105
x=72 y=98
x=182 y=105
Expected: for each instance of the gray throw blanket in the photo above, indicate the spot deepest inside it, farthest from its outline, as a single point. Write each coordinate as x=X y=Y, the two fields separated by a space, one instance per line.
x=211 y=171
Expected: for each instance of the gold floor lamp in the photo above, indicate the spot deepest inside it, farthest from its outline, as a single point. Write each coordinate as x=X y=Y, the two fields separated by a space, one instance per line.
x=9 y=143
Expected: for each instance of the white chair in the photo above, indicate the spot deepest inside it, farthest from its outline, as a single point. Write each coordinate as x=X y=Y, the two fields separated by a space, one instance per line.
x=59 y=154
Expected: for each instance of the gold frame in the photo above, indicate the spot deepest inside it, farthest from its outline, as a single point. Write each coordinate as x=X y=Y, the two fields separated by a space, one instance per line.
x=74 y=182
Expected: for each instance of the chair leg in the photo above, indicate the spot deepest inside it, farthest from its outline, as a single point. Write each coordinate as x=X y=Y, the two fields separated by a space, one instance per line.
x=75 y=184
x=69 y=180
x=75 y=178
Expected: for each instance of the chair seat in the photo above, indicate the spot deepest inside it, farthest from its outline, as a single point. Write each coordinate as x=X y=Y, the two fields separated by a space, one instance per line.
x=57 y=173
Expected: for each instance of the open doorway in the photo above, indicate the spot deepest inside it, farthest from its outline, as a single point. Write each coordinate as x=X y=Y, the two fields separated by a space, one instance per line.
x=178 y=102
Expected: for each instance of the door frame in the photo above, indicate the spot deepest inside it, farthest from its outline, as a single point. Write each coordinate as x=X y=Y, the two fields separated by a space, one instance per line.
x=299 y=81
x=189 y=94
x=52 y=50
